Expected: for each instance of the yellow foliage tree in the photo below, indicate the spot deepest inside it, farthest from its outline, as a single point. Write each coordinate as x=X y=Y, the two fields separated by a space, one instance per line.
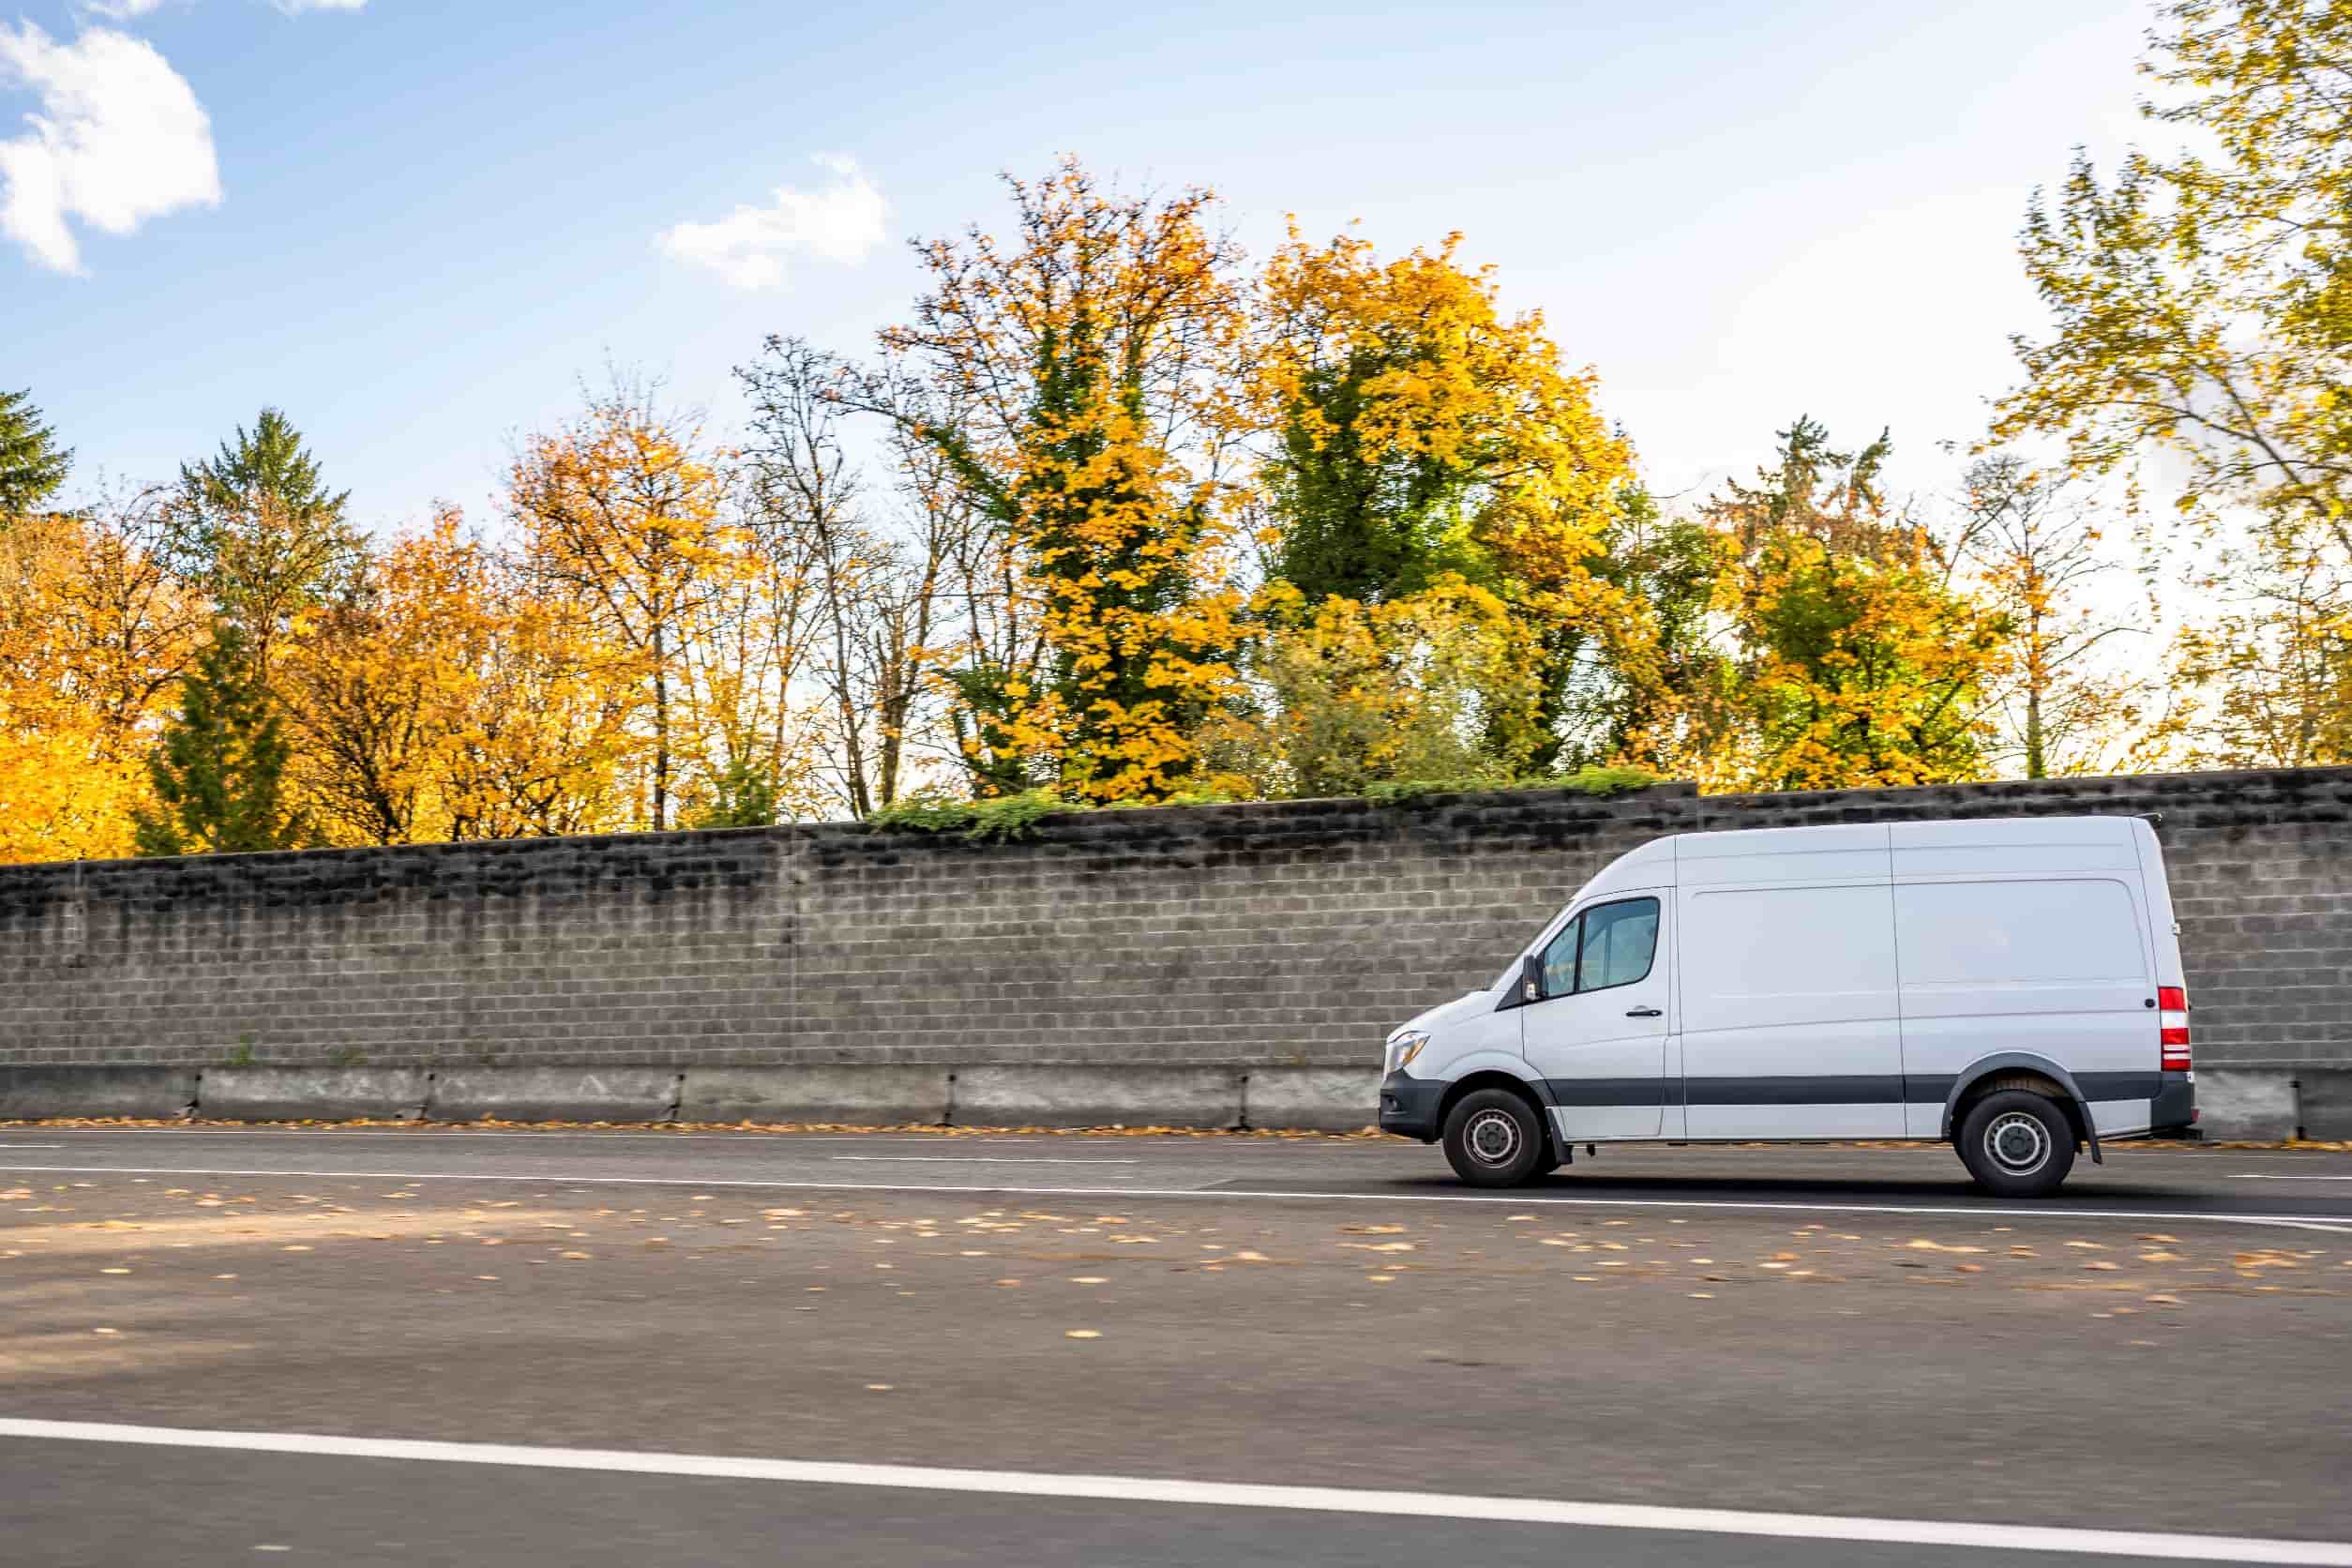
x=1414 y=430
x=94 y=633
x=625 y=515
x=1857 y=663
x=1437 y=685
x=1075 y=382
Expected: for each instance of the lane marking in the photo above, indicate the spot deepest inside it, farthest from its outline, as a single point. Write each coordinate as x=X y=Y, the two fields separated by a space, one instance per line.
x=1520 y=1198
x=31 y=1146
x=979 y=1159
x=2277 y=1176
x=1225 y=1494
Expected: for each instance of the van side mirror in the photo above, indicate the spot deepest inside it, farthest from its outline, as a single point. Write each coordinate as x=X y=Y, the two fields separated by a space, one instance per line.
x=1531 y=979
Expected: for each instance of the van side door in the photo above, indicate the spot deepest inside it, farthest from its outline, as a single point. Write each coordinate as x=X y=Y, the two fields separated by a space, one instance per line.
x=1598 y=1032
x=1789 y=1024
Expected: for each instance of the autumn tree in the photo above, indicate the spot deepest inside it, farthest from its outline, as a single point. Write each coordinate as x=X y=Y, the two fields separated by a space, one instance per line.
x=219 y=772
x=377 y=694
x=545 y=739
x=2032 y=544
x=2264 y=677
x=1414 y=431
x=2201 y=306
x=33 y=467
x=1073 y=381
x=1858 y=664
x=2202 y=303
x=880 y=589
x=1436 y=686
x=624 y=512
x=1649 y=684
x=94 y=637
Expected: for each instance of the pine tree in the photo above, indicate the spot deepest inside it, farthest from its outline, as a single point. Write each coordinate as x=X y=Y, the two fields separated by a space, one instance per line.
x=33 y=466
x=258 y=531
x=219 y=771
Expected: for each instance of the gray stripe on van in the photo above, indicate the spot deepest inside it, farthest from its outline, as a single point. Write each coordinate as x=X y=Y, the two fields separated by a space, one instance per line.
x=1793 y=1088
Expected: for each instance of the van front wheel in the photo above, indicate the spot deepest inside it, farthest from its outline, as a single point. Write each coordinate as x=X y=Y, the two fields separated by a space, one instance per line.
x=2017 y=1144
x=1493 y=1139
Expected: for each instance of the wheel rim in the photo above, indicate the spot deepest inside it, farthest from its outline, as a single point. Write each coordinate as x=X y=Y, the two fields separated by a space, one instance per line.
x=1492 y=1137
x=2017 y=1143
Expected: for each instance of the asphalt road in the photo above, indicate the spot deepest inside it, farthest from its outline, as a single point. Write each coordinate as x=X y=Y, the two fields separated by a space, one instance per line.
x=1835 y=1335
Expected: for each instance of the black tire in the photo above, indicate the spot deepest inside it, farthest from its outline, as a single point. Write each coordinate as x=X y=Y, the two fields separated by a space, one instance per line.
x=1494 y=1138
x=2017 y=1143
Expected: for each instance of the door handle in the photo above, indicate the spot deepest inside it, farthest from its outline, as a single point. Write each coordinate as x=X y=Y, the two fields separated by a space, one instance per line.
x=1642 y=1013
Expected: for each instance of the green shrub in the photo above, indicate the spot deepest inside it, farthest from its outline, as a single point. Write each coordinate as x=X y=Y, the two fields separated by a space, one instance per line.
x=1598 y=783
x=1000 y=817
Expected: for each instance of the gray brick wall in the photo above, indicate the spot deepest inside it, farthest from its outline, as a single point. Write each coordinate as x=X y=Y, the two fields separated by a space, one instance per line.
x=1295 y=932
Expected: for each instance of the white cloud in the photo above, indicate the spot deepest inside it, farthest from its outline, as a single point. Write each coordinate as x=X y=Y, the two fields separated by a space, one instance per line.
x=118 y=137
x=749 y=247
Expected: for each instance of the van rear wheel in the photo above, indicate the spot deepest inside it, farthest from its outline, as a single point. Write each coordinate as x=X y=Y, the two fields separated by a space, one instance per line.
x=2017 y=1143
x=1493 y=1139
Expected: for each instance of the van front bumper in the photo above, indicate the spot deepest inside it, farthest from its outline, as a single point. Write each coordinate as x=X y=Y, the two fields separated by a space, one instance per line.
x=1409 y=1106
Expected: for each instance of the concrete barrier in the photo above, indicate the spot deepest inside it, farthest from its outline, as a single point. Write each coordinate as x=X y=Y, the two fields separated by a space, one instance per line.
x=1074 y=1095
x=2256 y=1103
x=1321 y=1099
x=553 y=1094
x=28 y=1093
x=877 y=1095
x=2251 y=1104
x=310 y=1093
x=2325 y=1101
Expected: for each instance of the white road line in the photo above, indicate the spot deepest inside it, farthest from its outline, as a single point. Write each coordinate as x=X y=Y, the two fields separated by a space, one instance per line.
x=1520 y=1198
x=978 y=1159
x=31 y=1146
x=2280 y=1176
x=1225 y=1494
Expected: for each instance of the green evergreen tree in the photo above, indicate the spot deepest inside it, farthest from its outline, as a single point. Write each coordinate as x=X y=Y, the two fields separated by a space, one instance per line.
x=33 y=467
x=219 y=770
x=257 y=529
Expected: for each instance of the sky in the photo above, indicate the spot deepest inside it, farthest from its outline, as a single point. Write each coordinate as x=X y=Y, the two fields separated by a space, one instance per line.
x=418 y=225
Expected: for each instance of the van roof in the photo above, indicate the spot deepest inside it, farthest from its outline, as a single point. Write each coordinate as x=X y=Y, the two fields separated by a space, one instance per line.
x=1920 y=848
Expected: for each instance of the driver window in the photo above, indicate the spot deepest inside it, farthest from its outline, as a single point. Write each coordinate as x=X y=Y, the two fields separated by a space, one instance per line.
x=1608 y=944
x=1620 y=942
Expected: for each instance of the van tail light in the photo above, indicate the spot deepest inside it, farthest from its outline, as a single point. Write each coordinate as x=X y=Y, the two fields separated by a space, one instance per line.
x=2172 y=1026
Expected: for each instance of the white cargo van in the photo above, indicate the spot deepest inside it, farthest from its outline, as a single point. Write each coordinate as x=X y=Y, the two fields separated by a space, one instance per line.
x=2011 y=987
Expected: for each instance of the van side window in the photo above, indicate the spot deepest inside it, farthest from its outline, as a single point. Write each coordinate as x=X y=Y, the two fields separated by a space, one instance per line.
x=1608 y=944
x=1620 y=942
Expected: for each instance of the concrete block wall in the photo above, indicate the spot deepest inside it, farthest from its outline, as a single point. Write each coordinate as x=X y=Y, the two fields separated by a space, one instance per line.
x=1199 y=966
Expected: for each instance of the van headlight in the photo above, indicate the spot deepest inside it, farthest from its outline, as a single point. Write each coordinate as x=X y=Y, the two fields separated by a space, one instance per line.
x=1403 y=1046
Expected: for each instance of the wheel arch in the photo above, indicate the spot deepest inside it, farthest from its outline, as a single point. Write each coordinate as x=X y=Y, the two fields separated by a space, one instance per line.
x=1495 y=1074
x=1973 y=1082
